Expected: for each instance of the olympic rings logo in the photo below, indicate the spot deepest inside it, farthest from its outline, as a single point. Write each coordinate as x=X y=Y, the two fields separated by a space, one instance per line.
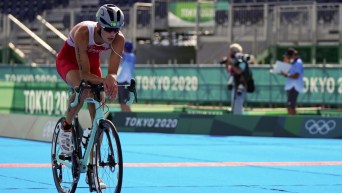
x=320 y=127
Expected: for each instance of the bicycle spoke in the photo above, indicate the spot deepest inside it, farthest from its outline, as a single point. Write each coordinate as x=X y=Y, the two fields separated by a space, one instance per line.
x=63 y=175
x=105 y=169
x=108 y=167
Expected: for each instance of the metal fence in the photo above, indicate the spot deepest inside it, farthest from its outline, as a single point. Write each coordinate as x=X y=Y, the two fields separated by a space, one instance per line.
x=259 y=26
x=41 y=90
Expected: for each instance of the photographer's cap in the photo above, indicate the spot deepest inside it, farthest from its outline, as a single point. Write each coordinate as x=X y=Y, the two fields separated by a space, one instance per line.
x=128 y=46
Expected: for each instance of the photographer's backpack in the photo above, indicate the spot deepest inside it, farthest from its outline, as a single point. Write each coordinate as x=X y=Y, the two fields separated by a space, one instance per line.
x=249 y=79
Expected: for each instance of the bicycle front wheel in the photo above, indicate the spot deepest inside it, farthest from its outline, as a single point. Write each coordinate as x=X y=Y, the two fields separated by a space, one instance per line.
x=107 y=159
x=64 y=176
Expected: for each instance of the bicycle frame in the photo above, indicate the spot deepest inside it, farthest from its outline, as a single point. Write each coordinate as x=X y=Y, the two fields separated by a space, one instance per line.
x=102 y=156
x=99 y=115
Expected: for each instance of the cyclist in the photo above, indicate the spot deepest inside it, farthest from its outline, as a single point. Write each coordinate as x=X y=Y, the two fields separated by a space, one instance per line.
x=79 y=59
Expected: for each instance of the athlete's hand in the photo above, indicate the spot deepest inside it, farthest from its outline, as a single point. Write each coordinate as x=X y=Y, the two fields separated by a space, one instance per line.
x=110 y=86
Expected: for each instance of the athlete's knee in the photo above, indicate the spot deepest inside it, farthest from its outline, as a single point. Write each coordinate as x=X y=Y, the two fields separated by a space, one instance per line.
x=72 y=97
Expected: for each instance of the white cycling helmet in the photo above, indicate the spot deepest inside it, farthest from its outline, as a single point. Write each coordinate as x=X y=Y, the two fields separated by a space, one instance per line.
x=110 y=16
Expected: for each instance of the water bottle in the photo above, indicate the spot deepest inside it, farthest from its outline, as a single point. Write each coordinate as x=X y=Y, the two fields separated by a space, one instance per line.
x=85 y=137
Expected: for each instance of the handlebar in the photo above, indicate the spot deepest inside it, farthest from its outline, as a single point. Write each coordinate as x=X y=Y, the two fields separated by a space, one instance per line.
x=98 y=88
x=131 y=88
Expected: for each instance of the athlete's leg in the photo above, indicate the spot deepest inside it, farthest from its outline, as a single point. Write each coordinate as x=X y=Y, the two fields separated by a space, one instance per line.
x=292 y=96
x=124 y=97
x=91 y=108
x=238 y=103
x=73 y=79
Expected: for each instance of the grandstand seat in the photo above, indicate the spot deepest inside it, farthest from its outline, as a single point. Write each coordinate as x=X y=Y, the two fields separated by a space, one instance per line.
x=49 y=4
x=143 y=17
x=9 y=7
x=65 y=3
x=288 y=17
x=28 y=9
x=131 y=2
x=256 y=16
x=127 y=17
x=115 y=2
x=241 y=17
x=161 y=9
x=326 y=16
x=2 y=4
x=221 y=17
x=57 y=2
x=78 y=17
x=31 y=14
x=66 y=21
x=328 y=1
x=20 y=11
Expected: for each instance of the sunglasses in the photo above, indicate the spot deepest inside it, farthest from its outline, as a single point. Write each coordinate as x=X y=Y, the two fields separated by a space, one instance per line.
x=109 y=29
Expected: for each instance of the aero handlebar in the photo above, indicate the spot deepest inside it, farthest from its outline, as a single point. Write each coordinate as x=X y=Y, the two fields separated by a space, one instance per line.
x=97 y=88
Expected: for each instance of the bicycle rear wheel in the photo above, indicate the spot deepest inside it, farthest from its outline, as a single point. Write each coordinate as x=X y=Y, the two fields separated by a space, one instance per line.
x=64 y=177
x=107 y=159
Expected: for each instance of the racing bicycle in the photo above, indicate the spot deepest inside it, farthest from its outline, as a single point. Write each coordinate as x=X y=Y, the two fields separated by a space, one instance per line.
x=100 y=157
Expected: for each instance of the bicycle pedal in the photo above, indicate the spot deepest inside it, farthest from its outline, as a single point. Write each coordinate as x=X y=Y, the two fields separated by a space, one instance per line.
x=65 y=157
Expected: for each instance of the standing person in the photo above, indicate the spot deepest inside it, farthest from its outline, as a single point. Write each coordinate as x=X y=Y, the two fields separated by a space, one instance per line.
x=237 y=65
x=126 y=73
x=79 y=59
x=294 y=83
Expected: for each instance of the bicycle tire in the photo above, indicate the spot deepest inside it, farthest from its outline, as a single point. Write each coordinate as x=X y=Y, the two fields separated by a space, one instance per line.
x=64 y=177
x=107 y=158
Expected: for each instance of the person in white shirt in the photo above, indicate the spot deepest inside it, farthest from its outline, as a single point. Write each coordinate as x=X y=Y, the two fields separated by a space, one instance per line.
x=294 y=83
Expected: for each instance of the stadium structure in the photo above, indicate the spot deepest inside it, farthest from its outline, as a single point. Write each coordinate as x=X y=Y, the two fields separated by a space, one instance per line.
x=180 y=31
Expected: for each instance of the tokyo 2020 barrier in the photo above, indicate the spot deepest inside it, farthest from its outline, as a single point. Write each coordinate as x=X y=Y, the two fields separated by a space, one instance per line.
x=227 y=124
x=40 y=91
x=41 y=127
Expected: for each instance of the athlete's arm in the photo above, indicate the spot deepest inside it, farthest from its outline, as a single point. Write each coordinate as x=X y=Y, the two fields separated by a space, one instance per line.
x=113 y=65
x=81 y=38
x=237 y=69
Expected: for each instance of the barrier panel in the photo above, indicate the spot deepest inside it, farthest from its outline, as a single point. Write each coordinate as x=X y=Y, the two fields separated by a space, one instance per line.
x=31 y=127
x=41 y=91
x=41 y=127
x=34 y=127
x=227 y=124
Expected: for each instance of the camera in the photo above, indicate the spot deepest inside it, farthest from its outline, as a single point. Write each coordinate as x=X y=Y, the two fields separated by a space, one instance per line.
x=240 y=57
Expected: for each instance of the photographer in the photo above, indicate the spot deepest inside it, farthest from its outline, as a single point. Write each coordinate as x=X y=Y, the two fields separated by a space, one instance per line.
x=238 y=69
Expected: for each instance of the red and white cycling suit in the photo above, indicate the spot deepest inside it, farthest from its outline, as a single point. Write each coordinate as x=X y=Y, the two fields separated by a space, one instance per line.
x=66 y=59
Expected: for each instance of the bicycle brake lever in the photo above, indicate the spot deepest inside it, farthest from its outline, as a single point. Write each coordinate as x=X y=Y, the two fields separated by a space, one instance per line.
x=131 y=88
